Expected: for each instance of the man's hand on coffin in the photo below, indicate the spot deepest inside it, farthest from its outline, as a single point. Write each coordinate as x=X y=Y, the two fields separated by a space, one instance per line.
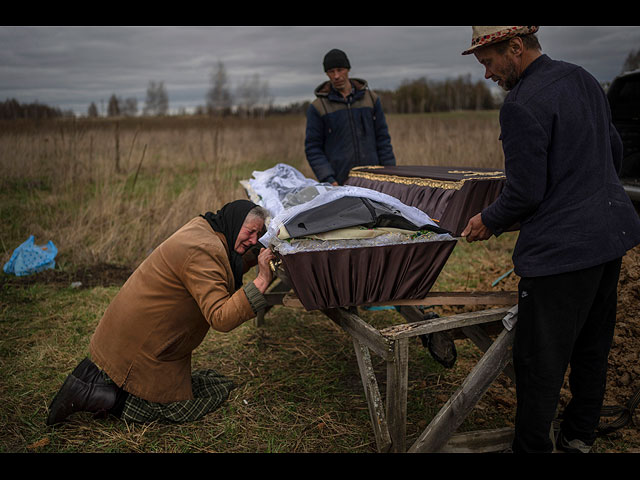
x=265 y=276
x=476 y=230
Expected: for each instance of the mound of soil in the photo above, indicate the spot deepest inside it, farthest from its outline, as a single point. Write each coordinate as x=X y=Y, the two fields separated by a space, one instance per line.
x=624 y=359
x=85 y=277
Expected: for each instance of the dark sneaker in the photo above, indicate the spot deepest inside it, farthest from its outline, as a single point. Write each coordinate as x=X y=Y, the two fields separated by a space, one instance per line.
x=572 y=446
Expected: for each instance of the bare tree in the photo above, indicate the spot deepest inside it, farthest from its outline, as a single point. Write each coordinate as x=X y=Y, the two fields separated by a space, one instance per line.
x=157 y=101
x=422 y=95
x=129 y=107
x=113 y=108
x=266 y=96
x=219 y=100
x=92 y=111
x=253 y=95
x=632 y=62
x=11 y=109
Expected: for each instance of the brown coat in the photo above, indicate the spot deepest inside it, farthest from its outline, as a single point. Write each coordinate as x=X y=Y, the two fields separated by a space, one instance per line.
x=163 y=312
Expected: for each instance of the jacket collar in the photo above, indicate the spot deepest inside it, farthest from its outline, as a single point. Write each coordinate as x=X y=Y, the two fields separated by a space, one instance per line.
x=534 y=66
x=326 y=90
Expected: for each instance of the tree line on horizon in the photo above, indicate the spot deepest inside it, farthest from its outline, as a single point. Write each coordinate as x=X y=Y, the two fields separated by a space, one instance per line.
x=417 y=96
x=253 y=98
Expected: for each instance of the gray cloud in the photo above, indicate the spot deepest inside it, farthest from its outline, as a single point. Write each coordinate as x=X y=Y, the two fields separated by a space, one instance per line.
x=70 y=67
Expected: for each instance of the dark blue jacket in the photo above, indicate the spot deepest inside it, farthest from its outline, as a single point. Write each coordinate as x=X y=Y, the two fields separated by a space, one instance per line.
x=562 y=157
x=345 y=133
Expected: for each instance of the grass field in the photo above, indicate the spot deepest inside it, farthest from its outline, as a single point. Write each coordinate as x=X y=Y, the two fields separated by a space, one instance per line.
x=108 y=192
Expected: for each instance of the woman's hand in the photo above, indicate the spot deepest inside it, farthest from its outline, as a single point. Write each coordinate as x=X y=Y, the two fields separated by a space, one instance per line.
x=265 y=275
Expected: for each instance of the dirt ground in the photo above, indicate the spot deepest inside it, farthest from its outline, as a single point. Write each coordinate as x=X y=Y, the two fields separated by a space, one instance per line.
x=624 y=360
x=92 y=276
x=623 y=380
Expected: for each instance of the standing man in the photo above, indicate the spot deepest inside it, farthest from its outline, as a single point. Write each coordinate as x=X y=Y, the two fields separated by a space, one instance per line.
x=346 y=126
x=562 y=155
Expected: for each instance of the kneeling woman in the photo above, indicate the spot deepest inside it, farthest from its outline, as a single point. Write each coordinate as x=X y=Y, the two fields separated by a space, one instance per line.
x=140 y=366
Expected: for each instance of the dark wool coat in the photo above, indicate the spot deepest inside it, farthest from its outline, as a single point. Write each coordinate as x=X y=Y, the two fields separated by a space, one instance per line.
x=345 y=133
x=562 y=155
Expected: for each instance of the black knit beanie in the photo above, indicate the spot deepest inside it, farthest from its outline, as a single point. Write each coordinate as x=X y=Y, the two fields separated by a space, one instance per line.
x=335 y=59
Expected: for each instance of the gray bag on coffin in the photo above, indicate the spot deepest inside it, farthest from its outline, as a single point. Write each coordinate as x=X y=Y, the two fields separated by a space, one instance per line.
x=348 y=212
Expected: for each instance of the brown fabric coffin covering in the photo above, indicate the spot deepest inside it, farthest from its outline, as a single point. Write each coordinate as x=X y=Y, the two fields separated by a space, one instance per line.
x=360 y=276
x=449 y=195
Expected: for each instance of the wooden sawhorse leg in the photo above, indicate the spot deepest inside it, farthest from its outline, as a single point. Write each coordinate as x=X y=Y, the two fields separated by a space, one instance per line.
x=497 y=356
x=397 y=384
x=456 y=409
x=389 y=424
x=389 y=419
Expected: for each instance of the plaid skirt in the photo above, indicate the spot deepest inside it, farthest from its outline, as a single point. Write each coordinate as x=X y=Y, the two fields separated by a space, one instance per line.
x=210 y=390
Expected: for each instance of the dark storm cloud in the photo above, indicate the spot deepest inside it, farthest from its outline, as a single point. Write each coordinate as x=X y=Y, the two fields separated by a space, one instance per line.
x=70 y=67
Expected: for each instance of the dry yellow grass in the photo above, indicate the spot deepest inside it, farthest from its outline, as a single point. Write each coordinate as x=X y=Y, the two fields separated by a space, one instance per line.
x=454 y=139
x=298 y=387
x=109 y=191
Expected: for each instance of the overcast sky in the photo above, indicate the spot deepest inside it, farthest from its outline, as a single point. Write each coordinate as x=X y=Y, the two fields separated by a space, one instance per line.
x=70 y=67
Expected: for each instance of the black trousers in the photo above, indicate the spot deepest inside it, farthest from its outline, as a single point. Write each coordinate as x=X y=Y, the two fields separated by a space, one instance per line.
x=564 y=320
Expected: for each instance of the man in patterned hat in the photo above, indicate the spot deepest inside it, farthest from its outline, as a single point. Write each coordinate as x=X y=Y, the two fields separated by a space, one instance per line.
x=346 y=126
x=562 y=155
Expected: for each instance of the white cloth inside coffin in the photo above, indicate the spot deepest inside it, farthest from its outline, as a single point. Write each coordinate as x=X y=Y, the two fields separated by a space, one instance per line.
x=274 y=185
x=312 y=216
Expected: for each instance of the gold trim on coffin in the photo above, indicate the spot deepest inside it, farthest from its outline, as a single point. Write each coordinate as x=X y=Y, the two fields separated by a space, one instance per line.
x=425 y=182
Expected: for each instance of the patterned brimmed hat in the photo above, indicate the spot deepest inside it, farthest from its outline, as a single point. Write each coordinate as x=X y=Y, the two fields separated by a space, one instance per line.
x=483 y=36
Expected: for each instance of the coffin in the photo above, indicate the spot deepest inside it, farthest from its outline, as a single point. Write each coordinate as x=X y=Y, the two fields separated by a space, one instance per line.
x=449 y=195
x=360 y=272
x=365 y=275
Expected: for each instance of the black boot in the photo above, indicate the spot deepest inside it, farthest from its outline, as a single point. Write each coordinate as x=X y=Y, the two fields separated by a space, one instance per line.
x=441 y=347
x=84 y=390
x=440 y=344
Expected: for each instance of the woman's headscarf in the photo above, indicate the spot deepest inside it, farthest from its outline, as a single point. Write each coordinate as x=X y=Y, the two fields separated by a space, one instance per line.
x=228 y=221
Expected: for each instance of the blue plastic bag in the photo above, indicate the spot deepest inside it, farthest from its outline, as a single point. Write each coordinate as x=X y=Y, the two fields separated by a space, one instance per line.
x=29 y=258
